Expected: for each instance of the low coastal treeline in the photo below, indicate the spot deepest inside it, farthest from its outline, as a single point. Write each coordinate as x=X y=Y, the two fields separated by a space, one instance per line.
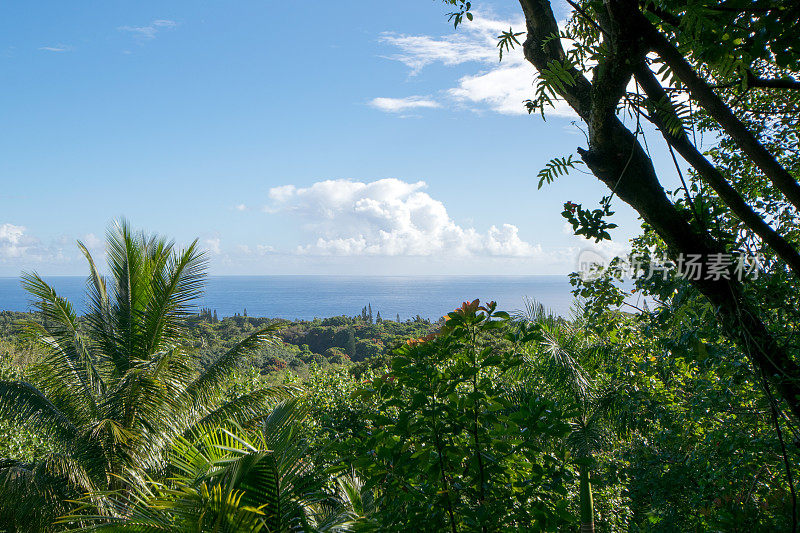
x=142 y=415
x=300 y=343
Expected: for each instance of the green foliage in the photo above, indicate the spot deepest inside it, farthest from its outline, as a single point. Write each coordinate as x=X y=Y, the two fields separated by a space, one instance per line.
x=554 y=168
x=109 y=394
x=676 y=117
x=233 y=480
x=591 y=224
x=457 y=17
x=335 y=420
x=17 y=442
x=561 y=362
x=557 y=76
x=327 y=341
x=645 y=422
x=651 y=421
x=702 y=452
x=450 y=449
x=507 y=40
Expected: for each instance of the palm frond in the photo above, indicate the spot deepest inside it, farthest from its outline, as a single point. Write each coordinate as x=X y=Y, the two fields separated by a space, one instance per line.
x=116 y=391
x=247 y=408
x=98 y=317
x=533 y=311
x=30 y=496
x=213 y=378
x=125 y=261
x=61 y=337
x=174 y=288
x=223 y=478
x=619 y=408
x=277 y=427
x=358 y=504
x=22 y=403
x=557 y=357
x=585 y=439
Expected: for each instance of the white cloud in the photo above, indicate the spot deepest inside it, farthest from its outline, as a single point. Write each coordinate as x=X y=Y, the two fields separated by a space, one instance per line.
x=12 y=240
x=260 y=249
x=56 y=48
x=151 y=30
x=389 y=217
x=264 y=249
x=213 y=245
x=17 y=246
x=419 y=51
x=241 y=207
x=282 y=193
x=92 y=241
x=501 y=87
x=395 y=105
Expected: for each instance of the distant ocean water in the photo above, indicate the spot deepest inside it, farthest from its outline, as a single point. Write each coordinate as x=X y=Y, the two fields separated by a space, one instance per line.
x=307 y=297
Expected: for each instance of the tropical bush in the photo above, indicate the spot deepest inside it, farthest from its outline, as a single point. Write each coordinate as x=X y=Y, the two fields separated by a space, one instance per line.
x=230 y=479
x=112 y=391
x=454 y=446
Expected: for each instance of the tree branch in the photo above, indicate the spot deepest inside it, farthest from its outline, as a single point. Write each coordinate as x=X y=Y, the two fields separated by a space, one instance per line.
x=772 y=83
x=614 y=151
x=711 y=175
x=702 y=93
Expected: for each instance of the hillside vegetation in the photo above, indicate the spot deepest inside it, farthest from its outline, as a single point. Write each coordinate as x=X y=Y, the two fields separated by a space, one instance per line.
x=141 y=415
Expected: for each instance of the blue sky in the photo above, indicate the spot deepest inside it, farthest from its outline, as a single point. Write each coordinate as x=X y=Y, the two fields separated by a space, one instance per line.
x=331 y=138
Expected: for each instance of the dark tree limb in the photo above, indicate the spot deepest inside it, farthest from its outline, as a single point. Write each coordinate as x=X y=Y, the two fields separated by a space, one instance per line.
x=772 y=83
x=711 y=175
x=616 y=158
x=704 y=95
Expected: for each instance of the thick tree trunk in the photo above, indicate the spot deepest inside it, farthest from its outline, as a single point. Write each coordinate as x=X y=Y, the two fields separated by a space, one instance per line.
x=621 y=163
x=616 y=157
x=587 y=504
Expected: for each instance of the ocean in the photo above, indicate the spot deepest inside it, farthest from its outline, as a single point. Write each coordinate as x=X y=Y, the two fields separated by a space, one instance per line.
x=307 y=297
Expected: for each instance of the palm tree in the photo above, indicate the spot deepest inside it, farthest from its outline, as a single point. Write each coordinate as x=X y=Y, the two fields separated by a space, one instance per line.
x=233 y=480
x=352 y=509
x=557 y=363
x=115 y=388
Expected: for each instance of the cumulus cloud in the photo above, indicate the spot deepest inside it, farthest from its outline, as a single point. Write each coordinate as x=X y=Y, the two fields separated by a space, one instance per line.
x=389 y=217
x=149 y=31
x=396 y=105
x=213 y=245
x=13 y=240
x=282 y=193
x=18 y=246
x=501 y=87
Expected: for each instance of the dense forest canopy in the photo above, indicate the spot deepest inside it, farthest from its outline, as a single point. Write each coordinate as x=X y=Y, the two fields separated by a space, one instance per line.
x=144 y=415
